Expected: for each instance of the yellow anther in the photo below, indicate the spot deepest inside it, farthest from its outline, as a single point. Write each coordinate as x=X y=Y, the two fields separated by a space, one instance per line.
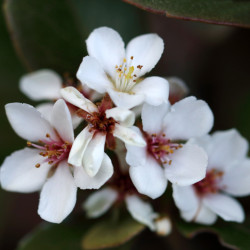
x=29 y=143
x=124 y=60
x=130 y=72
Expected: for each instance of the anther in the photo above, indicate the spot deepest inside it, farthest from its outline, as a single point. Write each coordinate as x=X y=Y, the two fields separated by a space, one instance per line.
x=37 y=165
x=47 y=135
x=131 y=57
x=29 y=143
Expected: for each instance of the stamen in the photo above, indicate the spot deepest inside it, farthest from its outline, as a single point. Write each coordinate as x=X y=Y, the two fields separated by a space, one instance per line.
x=37 y=165
x=161 y=148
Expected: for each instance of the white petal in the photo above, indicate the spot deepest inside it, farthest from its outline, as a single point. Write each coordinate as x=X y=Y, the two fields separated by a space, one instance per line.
x=73 y=96
x=19 y=174
x=124 y=116
x=203 y=141
x=152 y=117
x=136 y=155
x=227 y=148
x=154 y=89
x=84 y=181
x=61 y=120
x=146 y=50
x=177 y=89
x=41 y=84
x=226 y=207
x=93 y=156
x=205 y=215
x=128 y=136
x=29 y=123
x=106 y=45
x=92 y=74
x=149 y=178
x=79 y=146
x=188 y=118
x=141 y=211
x=125 y=100
x=46 y=110
x=188 y=165
x=58 y=196
x=236 y=180
x=100 y=202
x=186 y=200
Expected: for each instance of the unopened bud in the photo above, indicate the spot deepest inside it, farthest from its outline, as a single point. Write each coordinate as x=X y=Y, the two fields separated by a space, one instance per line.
x=163 y=226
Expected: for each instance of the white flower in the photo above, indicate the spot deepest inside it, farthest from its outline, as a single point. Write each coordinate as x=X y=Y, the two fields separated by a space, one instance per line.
x=228 y=174
x=101 y=201
x=104 y=123
x=165 y=157
x=45 y=166
x=110 y=68
x=45 y=84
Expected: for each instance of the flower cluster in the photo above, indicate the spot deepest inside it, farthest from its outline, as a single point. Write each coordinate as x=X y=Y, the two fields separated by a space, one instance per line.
x=136 y=134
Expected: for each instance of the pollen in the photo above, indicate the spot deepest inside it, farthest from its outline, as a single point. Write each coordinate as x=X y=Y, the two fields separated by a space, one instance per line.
x=126 y=76
x=161 y=148
x=52 y=151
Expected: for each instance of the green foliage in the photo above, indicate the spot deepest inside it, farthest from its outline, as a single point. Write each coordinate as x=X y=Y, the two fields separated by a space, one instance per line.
x=111 y=233
x=45 y=34
x=232 y=235
x=53 y=237
x=228 y=12
x=51 y=34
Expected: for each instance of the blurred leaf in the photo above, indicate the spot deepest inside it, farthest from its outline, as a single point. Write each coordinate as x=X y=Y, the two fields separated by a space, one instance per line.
x=112 y=233
x=126 y=19
x=51 y=34
x=45 y=34
x=233 y=235
x=227 y=12
x=53 y=237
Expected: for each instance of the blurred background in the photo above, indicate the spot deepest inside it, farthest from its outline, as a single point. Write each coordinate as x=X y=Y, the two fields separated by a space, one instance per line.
x=213 y=60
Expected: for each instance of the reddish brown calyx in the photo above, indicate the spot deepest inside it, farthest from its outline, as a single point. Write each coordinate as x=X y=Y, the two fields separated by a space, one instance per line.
x=210 y=183
x=98 y=122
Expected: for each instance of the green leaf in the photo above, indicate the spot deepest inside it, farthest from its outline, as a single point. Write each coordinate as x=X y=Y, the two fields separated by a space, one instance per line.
x=126 y=19
x=53 y=237
x=111 y=233
x=232 y=235
x=45 y=34
x=227 y=12
x=51 y=34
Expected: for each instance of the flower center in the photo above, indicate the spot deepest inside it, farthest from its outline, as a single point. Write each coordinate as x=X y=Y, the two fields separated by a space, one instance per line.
x=52 y=151
x=210 y=183
x=161 y=147
x=126 y=76
x=98 y=121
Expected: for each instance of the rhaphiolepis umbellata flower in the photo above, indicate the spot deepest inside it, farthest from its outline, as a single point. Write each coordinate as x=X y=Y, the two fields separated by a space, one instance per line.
x=166 y=157
x=104 y=123
x=112 y=69
x=44 y=167
x=45 y=85
x=170 y=145
x=228 y=174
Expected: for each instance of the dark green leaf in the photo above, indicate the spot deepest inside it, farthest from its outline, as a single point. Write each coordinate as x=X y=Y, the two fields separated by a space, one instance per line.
x=53 y=237
x=45 y=34
x=228 y=12
x=233 y=235
x=111 y=233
